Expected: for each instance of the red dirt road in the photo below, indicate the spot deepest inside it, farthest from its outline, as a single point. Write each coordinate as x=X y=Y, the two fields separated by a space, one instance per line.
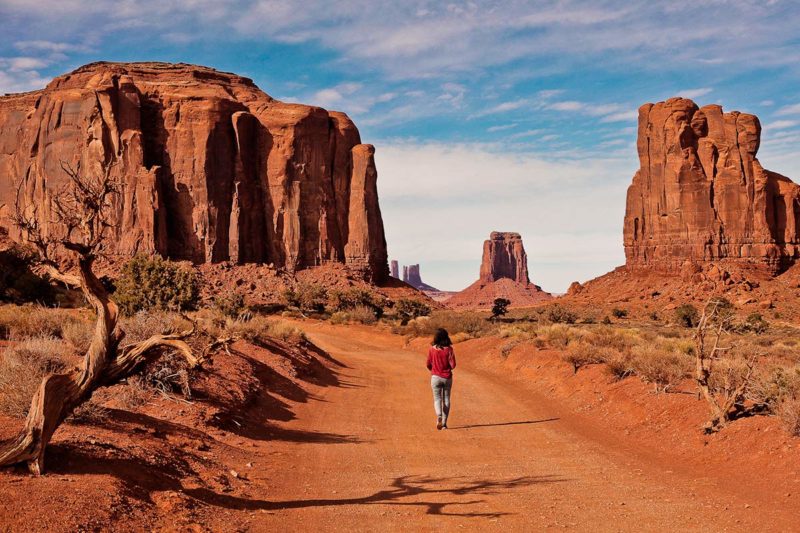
x=512 y=460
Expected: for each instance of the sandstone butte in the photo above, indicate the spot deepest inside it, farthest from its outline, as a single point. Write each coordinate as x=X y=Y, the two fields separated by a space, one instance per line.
x=503 y=274
x=212 y=168
x=701 y=194
x=412 y=276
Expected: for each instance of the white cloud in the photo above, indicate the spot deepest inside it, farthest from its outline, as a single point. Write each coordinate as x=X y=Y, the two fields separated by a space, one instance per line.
x=793 y=109
x=622 y=116
x=782 y=124
x=503 y=127
x=418 y=40
x=694 y=93
x=569 y=211
x=569 y=105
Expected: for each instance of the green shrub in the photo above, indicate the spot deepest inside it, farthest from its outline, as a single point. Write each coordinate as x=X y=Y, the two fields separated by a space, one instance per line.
x=153 y=283
x=408 y=309
x=356 y=297
x=230 y=304
x=754 y=323
x=686 y=315
x=557 y=314
x=500 y=307
x=307 y=297
x=619 y=313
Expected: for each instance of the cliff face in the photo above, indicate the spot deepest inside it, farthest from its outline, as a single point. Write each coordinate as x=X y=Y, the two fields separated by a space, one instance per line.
x=504 y=257
x=212 y=168
x=702 y=195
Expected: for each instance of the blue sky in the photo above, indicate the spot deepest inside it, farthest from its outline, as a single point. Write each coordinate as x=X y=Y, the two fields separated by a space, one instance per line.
x=510 y=116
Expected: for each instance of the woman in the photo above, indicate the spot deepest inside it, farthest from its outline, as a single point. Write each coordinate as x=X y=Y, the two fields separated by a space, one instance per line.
x=441 y=362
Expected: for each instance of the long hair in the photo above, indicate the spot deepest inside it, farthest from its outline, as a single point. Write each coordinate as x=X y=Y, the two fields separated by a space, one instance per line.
x=441 y=338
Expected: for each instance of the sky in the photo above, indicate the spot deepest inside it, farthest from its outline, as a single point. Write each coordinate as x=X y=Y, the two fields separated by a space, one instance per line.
x=486 y=116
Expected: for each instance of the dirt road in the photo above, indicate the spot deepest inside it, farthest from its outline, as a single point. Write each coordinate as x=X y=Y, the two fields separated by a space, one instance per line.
x=371 y=459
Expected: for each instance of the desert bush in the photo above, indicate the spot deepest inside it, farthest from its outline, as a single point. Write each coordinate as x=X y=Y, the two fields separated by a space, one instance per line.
x=90 y=411
x=619 y=340
x=557 y=335
x=135 y=392
x=355 y=297
x=581 y=353
x=454 y=322
x=789 y=413
x=231 y=304
x=663 y=368
x=557 y=314
x=408 y=309
x=606 y=320
x=307 y=297
x=22 y=368
x=361 y=314
x=620 y=365
x=78 y=334
x=260 y=329
x=144 y=325
x=772 y=385
x=619 y=313
x=754 y=323
x=153 y=283
x=686 y=315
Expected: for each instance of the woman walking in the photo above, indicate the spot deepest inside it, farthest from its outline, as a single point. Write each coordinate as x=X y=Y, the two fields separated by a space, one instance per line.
x=441 y=362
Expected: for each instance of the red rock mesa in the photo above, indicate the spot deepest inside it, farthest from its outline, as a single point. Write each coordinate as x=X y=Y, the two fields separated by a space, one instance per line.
x=702 y=195
x=213 y=169
x=503 y=274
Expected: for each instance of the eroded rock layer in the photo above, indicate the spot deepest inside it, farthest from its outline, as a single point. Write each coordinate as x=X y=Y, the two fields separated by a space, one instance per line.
x=702 y=195
x=213 y=169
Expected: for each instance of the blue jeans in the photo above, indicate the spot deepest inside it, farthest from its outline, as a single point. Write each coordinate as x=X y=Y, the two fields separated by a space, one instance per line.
x=441 y=396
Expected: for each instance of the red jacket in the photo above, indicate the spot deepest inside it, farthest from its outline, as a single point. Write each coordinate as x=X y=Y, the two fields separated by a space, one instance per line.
x=441 y=361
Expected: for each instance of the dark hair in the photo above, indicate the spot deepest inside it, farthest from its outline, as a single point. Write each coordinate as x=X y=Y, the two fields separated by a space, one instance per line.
x=441 y=338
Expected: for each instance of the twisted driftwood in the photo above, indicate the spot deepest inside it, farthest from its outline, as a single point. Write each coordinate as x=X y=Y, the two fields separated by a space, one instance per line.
x=82 y=214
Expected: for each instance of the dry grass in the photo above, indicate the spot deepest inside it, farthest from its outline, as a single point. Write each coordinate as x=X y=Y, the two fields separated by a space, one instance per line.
x=22 y=368
x=789 y=413
x=660 y=365
x=25 y=322
x=469 y=323
x=144 y=324
x=360 y=314
x=260 y=329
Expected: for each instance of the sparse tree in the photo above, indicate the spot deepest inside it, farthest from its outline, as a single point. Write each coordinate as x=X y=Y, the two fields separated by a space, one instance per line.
x=500 y=307
x=722 y=395
x=81 y=217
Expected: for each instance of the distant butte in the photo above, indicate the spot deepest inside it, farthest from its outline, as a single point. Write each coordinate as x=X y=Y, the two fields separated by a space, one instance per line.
x=503 y=274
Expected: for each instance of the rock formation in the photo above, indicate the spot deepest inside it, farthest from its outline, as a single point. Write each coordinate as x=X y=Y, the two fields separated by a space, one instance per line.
x=212 y=168
x=412 y=277
x=702 y=195
x=503 y=274
x=504 y=257
x=395 y=269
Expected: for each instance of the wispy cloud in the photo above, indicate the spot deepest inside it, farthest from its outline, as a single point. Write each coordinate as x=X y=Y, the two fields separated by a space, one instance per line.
x=793 y=109
x=502 y=127
x=695 y=93
x=782 y=124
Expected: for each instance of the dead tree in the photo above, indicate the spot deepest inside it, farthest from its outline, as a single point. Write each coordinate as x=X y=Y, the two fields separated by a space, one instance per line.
x=713 y=326
x=81 y=217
